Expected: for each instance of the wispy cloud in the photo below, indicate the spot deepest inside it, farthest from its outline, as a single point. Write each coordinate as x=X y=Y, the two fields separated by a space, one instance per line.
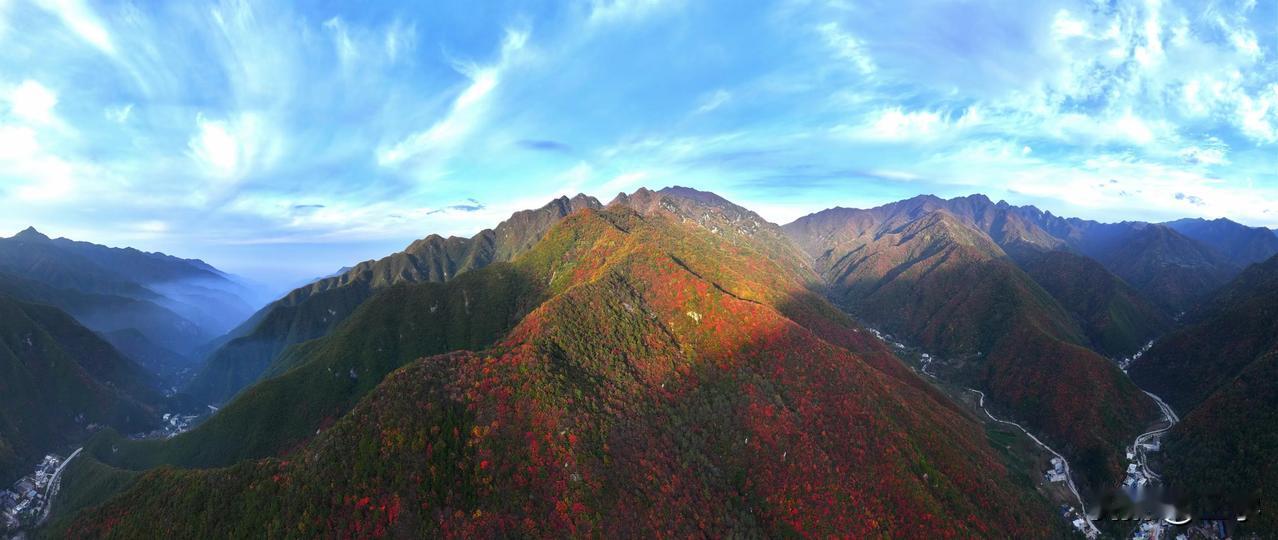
x=472 y=206
x=847 y=47
x=897 y=125
x=342 y=43
x=81 y=19
x=714 y=101
x=544 y=145
x=613 y=11
x=466 y=112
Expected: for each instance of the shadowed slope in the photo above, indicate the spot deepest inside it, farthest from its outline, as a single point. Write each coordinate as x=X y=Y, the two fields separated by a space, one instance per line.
x=1220 y=373
x=1241 y=244
x=1169 y=268
x=315 y=310
x=57 y=378
x=1115 y=318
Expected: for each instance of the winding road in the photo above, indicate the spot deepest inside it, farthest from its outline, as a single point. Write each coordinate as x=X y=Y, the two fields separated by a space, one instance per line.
x=54 y=483
x=1171 y=418
x=1069 y=478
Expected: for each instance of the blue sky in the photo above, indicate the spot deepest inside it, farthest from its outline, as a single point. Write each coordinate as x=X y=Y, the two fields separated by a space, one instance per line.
x=282 y=141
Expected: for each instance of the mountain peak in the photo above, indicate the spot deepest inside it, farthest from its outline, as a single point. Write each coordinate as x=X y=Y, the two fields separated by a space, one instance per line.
x=978 y=198
x=31 y=234
x=695 y=194
x=923 y=198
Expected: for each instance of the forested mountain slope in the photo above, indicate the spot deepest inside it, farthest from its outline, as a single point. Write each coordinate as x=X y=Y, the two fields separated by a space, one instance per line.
x=671 y=381
x=1220 y=373
x=315 y=310
x=57 y=379
x=1117 y=319
x=929 y=276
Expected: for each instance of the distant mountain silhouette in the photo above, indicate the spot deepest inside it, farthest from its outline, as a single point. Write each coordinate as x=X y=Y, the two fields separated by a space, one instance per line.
x=174 y=304
x=1241 y=244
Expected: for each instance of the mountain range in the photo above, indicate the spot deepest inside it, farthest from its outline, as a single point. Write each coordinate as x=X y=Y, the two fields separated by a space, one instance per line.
x=674 y=362
x=657 y=376
x=157 y=308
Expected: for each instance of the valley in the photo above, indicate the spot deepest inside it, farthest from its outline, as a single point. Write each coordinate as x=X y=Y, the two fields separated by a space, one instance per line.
x=1047 y=468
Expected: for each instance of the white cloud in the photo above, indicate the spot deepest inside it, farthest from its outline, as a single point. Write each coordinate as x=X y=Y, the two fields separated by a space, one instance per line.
x=847 y=47
x=32 y=102
x=1126 y=128
x=40 y=176
x=1258 y=116
x=1245 y=42
x=894 y=125
x=573 y=178
x=229 y=150
x=1065 y=26
x=1150 y=51
x=17 y=142
x=897 y=125
x=1211 y=155
x=119 y=114
x=1126 y=184
x=467 y=110
x=1132 y=128
x=81 y=19
x=890 y=174
x=215 y=147
x=714 y=101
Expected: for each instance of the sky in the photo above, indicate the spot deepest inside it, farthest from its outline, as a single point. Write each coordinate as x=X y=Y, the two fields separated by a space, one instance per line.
x=282 y=141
